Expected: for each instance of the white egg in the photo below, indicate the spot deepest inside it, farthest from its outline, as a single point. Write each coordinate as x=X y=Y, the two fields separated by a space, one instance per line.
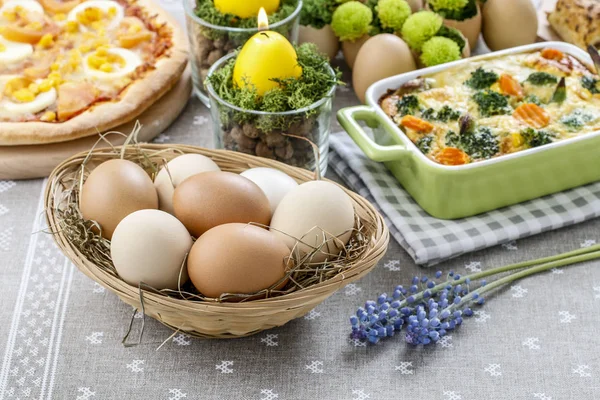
x=104 y=5
x=132 y=61
x=315 y=215
x=274 y=183
x=29 y=5
x=41 y=102
x=178 y=170
x=14 y=52
x=150 y=246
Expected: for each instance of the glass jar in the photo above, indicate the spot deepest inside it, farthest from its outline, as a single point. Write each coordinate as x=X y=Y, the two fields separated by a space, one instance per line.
x=208 y=43
x=284 y=136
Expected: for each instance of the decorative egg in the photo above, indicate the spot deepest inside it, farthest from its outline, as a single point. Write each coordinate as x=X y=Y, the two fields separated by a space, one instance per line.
x=315 y=215
x=115 y=189
x=470 y=28
x=324 y=38
x=274 y=183
x=150 y=246
x=380 y=57
x=237 y=259
x=177 y=170
x=509 y=23
x=246 y=8
x=351 y=48
x=206 y=200
x=415 y=5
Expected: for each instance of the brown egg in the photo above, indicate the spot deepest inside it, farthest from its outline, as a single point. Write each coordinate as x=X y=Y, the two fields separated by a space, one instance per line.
x=237 y=258
x=509 y=23
x=206 y=200
x=351 y=48
x=381 y=56
x=415 y=5
x=115 y=189
x=470 y=28
x=324 y=38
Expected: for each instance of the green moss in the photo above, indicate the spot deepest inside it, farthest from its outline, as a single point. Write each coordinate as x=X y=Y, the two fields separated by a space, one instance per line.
x=206 y=11
x=439 y=50
x=392 y=13
x=292 y=94
x=317 y=13
x=351 y=20
x=454 y=35
x=449 y=9
x=420 y=27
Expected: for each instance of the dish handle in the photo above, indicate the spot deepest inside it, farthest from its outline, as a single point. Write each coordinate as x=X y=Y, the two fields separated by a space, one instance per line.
x=348 y=119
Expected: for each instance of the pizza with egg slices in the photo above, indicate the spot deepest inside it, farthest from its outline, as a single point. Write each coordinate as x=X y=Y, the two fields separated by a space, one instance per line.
x=73 y=68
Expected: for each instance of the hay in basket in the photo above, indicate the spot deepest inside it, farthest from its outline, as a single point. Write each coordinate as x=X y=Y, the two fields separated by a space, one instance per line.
x=185 y=310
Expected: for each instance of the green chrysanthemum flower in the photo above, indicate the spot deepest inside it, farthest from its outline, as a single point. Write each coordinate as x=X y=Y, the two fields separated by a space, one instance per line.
x=393 y=13
x=439 y=50
x=420 y=27
x=351 y=20
x=454 y=5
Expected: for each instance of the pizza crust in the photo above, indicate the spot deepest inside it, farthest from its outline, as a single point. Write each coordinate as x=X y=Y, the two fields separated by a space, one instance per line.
x=134 y=100
x=577 y=21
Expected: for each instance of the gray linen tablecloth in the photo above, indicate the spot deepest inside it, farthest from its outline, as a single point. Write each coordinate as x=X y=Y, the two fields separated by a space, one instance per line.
x=60 y=333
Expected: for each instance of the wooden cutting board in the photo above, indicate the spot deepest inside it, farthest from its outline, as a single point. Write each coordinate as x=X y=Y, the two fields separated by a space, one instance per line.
x=36 y=161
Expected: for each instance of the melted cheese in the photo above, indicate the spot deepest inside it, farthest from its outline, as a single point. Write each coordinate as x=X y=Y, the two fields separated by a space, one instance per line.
x=578 y=115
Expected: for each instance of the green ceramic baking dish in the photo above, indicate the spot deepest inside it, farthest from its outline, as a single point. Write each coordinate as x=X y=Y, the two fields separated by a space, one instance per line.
x=452 y=192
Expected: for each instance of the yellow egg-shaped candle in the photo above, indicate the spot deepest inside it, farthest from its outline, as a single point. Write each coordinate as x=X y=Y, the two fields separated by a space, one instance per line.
x=246 y=8
x=265 y=56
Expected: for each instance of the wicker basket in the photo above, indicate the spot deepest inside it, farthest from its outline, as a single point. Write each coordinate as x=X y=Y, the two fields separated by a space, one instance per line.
x=203 y=318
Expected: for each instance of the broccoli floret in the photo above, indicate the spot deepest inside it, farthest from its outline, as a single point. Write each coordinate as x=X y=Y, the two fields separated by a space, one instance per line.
x=591 y=84
x=458 y=10
x=482 y=79
x=448 y=114
x=429 y=114
x=392 y=14
x=408 y=105
x=424 y=144
x=351 y=20
x=439 y=50
x=420 y=27
x=535 y=138
x=480 y=143
x=445 y=114
x=532 y=98
x=542 y=78
x=576 y=120
x=492 y=103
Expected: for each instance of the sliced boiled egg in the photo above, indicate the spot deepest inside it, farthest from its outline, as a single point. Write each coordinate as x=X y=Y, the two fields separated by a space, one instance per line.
x=8 y=10
x=97 y=14
x=13 y=52
x=39 y=103
x=22 y=96
x=110 y=64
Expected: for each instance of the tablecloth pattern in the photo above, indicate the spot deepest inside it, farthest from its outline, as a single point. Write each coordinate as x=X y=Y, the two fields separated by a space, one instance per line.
x=60 y=336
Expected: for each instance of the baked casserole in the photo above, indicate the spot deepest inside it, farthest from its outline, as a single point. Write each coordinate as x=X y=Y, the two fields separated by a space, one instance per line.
x=489 y=108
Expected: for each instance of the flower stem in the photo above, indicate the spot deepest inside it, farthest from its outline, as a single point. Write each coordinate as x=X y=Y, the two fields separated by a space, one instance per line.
x=560 y=262
x=564 y=257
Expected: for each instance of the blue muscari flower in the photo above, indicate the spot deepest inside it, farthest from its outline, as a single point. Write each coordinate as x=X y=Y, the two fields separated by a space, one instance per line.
x=438 y=274
x=426 y=316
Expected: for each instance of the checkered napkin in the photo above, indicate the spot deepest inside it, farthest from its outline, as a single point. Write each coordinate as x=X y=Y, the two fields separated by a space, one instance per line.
x=429 y=240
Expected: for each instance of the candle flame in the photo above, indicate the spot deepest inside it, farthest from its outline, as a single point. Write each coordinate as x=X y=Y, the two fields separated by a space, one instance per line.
x=263 y=20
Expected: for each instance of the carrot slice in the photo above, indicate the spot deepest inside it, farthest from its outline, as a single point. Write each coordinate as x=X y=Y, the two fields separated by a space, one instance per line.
x=452 y=156
x=553 y=54
x=510 y=86
x=532 y=114
x=416 y=124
